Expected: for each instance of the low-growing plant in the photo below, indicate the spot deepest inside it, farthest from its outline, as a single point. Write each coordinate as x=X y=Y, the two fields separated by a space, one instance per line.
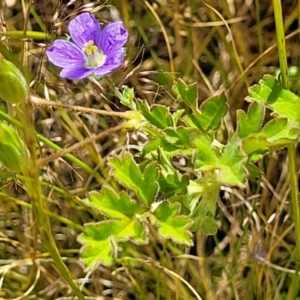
x=166 y=189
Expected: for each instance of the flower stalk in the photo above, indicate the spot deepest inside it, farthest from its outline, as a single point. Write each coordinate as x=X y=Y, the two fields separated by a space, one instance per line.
x=291 y=147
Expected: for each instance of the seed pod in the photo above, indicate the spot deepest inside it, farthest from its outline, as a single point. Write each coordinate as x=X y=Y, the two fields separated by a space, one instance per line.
x=13 y=86
x=13 y=152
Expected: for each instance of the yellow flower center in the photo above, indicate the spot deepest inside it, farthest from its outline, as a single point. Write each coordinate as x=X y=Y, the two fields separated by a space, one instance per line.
x=94 y=56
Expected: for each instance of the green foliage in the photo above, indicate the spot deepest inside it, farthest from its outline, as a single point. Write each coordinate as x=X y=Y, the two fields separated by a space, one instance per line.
x=284 y=129
x=175 y=203
x=251 y=122
x=203 y=215
x=284 y=103
x=142 y=183
x=171 y=224
x=187 y=93
x=127 y=97
x=101 y=239
x=158 y=116
x=211 y=113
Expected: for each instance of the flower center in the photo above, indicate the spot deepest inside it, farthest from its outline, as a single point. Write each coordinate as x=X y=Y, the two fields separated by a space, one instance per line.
x=94 y=56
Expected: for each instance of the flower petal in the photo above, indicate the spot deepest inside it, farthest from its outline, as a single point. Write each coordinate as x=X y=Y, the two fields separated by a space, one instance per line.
x=113 y=37
x=63 y=53
x=85 y=28
x=113 y=61
x=76 y=72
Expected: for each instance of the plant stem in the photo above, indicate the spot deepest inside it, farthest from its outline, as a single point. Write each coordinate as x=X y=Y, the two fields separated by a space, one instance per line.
x=36 y=35
x=34 y=190
x=291 y=147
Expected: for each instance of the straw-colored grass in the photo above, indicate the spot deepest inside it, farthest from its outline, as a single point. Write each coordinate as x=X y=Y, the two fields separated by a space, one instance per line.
x=220 y=45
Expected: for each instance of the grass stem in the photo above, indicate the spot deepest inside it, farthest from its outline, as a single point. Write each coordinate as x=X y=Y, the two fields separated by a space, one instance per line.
x=291 y=148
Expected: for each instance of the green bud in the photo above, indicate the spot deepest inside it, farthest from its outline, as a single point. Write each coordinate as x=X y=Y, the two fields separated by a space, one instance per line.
x=135 y=119
x=13 y=86
x=13 y=152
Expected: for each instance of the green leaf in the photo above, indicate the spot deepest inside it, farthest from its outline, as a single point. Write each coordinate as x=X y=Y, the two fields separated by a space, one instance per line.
x=180 y=136
x=172 y=141
x=194 y=191
x=135 y=120
x=277 y=132
x=143 y=184
x=132 y=229
x=280 y=132
x=13 y=85
x=170 y=225
x=127 y=97
x=173 y=183
x=157 y=115
x=177 y=115
x=170 y=180
x=205 y=156
x=212 y=112
x=206 y=185
x=255 y=146
x=253 y=170
x=168 y=148
x=98 y=247
x=187 y=93
x=283 y=102
x=203 y=215
x=232 y=164
x=115 y=206
x=100 y=240
x=252 y=121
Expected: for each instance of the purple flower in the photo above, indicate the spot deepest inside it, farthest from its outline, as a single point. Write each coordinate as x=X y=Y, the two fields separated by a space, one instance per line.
x=94 y=52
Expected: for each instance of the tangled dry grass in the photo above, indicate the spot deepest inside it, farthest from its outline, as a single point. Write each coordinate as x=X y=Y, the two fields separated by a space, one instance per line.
x=220 y=45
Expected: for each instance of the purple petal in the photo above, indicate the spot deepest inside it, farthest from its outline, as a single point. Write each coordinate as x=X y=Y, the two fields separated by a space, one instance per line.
x=63 y=53
x=76 y=72
x=113 y=61
x=85 y=28
x=114 y=36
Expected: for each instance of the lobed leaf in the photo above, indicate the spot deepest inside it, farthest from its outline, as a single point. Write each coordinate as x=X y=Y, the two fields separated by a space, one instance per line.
x=170 y=180
x=157 y=115
x=232 y=164
x=100 y=240
x=170 y=225
x=115 y=206
x=167 y=147
x=143 y=184
x=277 y=132
x=280 y=132
x=251 y=122
x=283 y=102
x=203 y=215
x=187 y=93
x=212 y=112
x=180 y=136
x=97 y=245
x=205 y=156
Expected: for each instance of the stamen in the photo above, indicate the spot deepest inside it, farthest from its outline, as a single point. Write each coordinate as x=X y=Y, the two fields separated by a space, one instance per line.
x=89 y=48
x=94 y=56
